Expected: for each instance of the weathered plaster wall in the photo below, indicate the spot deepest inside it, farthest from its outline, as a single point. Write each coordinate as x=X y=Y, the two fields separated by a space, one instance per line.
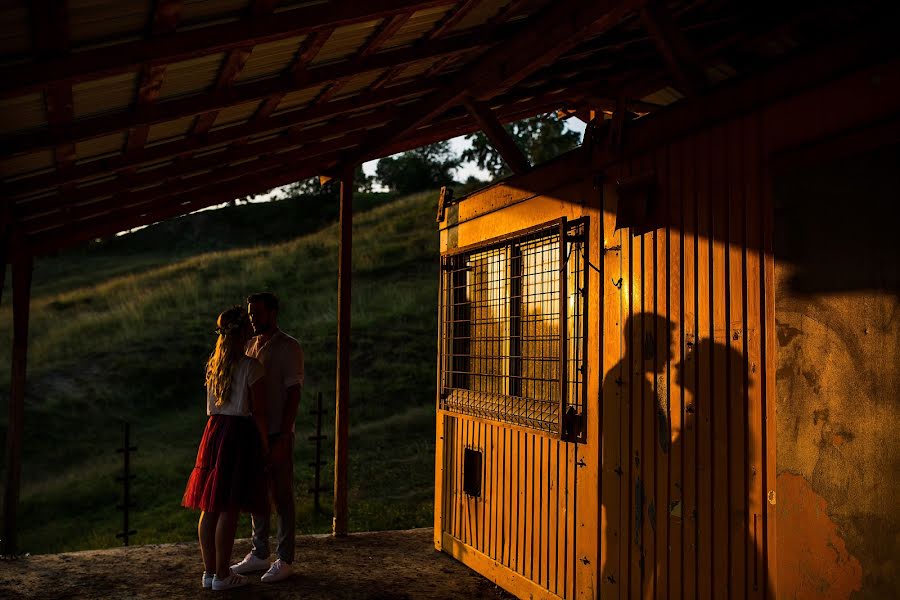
x=838 y=380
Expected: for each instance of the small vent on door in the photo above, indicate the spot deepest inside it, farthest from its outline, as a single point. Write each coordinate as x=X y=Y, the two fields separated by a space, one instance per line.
x=472 y=472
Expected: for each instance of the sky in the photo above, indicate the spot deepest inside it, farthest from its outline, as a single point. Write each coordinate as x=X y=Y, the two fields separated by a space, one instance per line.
x=458 y=144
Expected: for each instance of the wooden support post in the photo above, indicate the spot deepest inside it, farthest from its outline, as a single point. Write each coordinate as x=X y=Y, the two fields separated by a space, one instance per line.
x=499 y=137
x=342 y=396
x=21 y=276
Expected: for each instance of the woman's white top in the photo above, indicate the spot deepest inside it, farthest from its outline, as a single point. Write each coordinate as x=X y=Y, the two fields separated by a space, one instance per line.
x=248 y=372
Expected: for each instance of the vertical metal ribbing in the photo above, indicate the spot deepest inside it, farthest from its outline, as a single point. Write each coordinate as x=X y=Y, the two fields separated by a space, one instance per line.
x=563 y=337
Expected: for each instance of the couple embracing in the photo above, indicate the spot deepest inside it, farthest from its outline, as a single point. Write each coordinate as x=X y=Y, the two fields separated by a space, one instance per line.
x=245 y=461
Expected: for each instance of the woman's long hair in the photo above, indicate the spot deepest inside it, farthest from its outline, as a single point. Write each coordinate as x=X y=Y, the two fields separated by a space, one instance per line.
x=233 y=333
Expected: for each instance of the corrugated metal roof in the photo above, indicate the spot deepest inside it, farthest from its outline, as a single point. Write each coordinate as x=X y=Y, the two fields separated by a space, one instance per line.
x=417 y=68
x=270 y=59
x=206 y=12
x=359 y=82
x=211 y=150
x=22 y=113
x=169 y=130
x=235 y=114
x=192 y=76
x=345 y=41
x=419 y=24
x=298 y=99
x=92 y=21
x=664 y=96
x=109 y=94
x=27 y=163
x=480 y=14
x=100 y=146
x=15 y=34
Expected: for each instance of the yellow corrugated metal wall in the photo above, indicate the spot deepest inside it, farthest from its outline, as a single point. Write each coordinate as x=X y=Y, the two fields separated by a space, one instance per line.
x=685 y=385
x=525 y=516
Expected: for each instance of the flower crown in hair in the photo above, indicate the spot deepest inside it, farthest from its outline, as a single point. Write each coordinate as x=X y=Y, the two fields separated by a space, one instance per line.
x=229 y=329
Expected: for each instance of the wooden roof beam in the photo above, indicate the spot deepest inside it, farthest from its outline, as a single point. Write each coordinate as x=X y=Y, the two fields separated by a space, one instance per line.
x=50 y=32
x=319 y=157
x=681 y=59
x=309 y=48
x=191 y=144
x=231 y=68
x=78 y=232
x=452 y=18
x=545 y=37
x=382 y=33
x=165 y=19
x=197 y=104
x=71 y=233
x=53 y=241
x=234 y=153
x=500 y=139
x=178 y=46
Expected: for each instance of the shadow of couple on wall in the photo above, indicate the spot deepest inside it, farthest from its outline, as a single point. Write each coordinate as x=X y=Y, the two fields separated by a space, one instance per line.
x=687 y=411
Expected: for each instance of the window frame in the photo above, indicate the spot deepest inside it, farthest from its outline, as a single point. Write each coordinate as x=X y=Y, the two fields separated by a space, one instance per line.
x=569 y=423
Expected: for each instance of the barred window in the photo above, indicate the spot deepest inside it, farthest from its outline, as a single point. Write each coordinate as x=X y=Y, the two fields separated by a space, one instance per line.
x=513 y=329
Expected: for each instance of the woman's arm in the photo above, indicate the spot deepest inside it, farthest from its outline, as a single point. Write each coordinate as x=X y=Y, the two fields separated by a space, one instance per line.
x=258 y=408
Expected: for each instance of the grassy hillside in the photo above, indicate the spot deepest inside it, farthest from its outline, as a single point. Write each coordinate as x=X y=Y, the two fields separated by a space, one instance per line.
x=122 y=331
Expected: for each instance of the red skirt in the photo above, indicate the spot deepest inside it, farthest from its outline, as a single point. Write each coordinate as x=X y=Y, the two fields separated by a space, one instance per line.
x=228 y=474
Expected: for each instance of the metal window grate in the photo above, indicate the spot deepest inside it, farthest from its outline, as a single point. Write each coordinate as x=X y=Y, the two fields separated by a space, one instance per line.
x=513 y=329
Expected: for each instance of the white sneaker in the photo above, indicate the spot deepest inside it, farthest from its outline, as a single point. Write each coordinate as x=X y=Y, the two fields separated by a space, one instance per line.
x=232 y=581
x=250 y=564
x=207 y=580
x=278 y=571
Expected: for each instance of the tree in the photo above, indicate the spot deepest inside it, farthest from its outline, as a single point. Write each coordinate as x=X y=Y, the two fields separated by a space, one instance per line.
x=424 y=168
x=540 y=138
x=312 y=188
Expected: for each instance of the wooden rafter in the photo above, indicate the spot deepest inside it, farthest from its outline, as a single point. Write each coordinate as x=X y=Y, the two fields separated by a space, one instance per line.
x=68 y=233
x=178 y=147
x=231 y=68
x=50 y=30
x=128 y=186
x=309 y=48
x=129 y=56
x=452 y=18
x=201 y=103
x=234 y=153
x=385 y=30
x=165 y=19
x=365 y=102
x=683 y=62
x=498 y=136
x=318 y=157
x=544 y=38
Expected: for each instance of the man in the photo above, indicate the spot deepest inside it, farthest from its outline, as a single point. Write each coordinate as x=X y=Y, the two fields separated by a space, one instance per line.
x=282 y=358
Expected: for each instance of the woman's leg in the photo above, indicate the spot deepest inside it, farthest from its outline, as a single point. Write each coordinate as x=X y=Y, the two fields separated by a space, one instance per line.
x=225 y=529
x=206 y=531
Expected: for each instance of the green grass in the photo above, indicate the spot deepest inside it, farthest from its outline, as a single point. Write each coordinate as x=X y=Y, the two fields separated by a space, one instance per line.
x=122 y=330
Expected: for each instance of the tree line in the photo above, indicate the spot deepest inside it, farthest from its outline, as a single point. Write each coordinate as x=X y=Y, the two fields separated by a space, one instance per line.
x=540 y=138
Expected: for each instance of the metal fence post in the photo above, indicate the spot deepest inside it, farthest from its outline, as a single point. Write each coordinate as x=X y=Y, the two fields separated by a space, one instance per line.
x=126 y=478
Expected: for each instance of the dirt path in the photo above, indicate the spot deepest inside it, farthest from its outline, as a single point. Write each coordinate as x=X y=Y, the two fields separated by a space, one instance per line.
x=390 y=565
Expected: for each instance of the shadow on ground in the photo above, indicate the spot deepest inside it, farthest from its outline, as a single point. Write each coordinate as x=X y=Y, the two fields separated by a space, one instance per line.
x=389 y=565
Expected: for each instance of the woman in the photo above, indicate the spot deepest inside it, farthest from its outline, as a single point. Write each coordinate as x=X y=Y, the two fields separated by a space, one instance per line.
x=228 y=476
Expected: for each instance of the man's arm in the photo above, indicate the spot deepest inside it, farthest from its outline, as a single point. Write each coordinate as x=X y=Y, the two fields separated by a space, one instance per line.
x=289 y=414
x=294 y=383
